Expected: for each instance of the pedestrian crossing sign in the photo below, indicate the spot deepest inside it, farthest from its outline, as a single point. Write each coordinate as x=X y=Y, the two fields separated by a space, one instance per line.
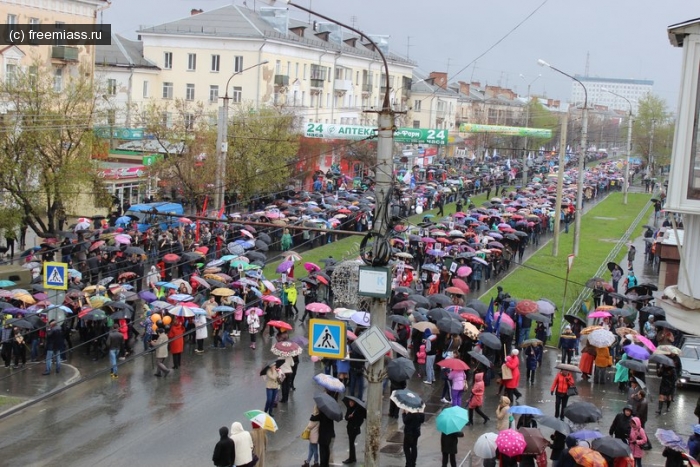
x=327 y=338
x=55 y=276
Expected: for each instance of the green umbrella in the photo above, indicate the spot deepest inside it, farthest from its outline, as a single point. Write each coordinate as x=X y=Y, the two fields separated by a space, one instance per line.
x=452 y=420
x=236 y=263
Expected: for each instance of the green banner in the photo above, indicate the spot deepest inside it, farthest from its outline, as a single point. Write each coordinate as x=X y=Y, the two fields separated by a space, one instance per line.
x=505 y=130
x=151 y=159
x=401 y=135
x=119 y=133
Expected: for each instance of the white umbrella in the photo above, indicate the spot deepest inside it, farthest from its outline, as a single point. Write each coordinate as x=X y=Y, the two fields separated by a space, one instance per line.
x=601 y=338
x=485 y=446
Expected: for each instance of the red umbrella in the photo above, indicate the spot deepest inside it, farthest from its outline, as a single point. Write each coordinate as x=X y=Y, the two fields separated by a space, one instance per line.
x=470 y=318
x=453 y=364
x=510 y=443
x=461 y=284
x=286 y=349
x=455 y=290
x=96 y=245
x=390 y=335
x=321 y=279
x=171 y=258
x=525 y=307
x=280 y=325
x=351 y=335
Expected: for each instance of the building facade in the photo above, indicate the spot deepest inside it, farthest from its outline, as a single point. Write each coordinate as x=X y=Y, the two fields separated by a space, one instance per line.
x=632 y=89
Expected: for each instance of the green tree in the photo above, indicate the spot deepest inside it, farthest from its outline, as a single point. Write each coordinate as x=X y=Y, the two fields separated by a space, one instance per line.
x=652 y=133
x=46 y=143
x=262 y=149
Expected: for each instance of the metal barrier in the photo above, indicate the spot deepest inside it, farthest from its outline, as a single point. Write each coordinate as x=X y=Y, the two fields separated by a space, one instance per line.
x=467 y=461
x=586 y=293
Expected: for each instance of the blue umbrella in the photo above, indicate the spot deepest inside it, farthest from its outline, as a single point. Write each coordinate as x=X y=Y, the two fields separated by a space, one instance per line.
x=6 y=283
x=30 y=251
x=224 y=308
x=167 y=285
x=181 y=297
x=452 y=420
x=148 y=296
x=525 y=410
x=124 y=220
x=72 y=273
x=329 y=382
x=430 y=267
x=586 y=434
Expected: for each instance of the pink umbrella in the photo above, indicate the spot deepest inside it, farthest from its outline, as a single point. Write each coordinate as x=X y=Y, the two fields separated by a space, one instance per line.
x=268 y=285
x=600 y=314
x=459 y=283
x=318 y=308
x=647 y=343
x=247 y=234
x=504 y=319
x=184 y=220
x=464 y=271
x=311 y=267
x=255 y=310
x=271 y=299
x=351 y=335
x=510 y=443
x=123 y=238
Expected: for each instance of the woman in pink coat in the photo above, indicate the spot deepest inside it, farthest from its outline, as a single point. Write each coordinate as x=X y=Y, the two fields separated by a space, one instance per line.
x=477 y=399
x=637 y=439
x=511 y=384
x=458 y=379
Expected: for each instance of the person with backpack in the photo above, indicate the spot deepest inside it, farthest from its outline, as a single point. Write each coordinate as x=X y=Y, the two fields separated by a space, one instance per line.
x=630 y=281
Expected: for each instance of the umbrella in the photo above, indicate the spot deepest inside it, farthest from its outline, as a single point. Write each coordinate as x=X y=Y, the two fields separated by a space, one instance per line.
x=601 y=338
x=567 y=367
x=463 y=271
x=490 y=340
x=262 y=419
x=555 y=424
x=439 y=299
x=171 y=258
x=20 y=323
x=400 y=320
x=450 y=326
x=183 y=311
x=460 y=284
x=524 y=410
x=94 y=315
x=664 y=324
x=479 y=306
x=419 y=300
x=436 y=314
x=525 y=307
x=311 y=267
x=452 y=420
x=586 y=457
x=510 y=443
x=286 y=349
x=399 y=349
x=662 y=360
x=572 y=319
x=669 y=439
x=454 y=290
x=147 y=296
x=531 y=342
x=453 y=364
x=400 y=369
x=329 y=382
x=357 y=402
x=469 y=330
x=423 y=325
x=611 y=447
x=485 y=446
x=284 y=266
x=361 y=318
x=407 y=400
x=634 y=365
x=667 y=350
x=545 y=307
x=644 y=340
x=318 y=308
x=279 y=324
x=328 y=406
x=589 y=329
x=586 y=434
x=583 y=412
x=479 y=357
x=134 y=250
x=623 y=331
x=535 y=442
x=222 y=292
x=278 y=363
x=636 y=351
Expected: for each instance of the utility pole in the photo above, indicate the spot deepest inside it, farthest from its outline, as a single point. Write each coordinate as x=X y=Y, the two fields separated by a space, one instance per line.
x=560 y=184
x=650 y=169
x=527 y=125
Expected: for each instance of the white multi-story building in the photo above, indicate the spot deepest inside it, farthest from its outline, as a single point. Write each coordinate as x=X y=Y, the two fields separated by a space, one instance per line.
x=632 y=89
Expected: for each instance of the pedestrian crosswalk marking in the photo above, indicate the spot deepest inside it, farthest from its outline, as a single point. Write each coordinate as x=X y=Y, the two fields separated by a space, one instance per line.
x=55 y=276
x=326 y=340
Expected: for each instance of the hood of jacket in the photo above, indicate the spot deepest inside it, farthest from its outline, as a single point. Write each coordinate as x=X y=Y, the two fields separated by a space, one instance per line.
x=479 y=377
x=422 y=348
x=635 y=423
x=504 y=401
x=223 y=432
x=236 y=428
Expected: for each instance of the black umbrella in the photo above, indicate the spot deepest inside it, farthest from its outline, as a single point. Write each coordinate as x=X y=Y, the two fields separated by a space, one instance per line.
x=611 y=447
x=134 y=250
x=264 y=237
x=477 y=305
x=216 y=284
x=647 y=285
x=400 y=320
x=405 y=290
x=634 y=365
x=192 y=256
x=612 y=265
x=664 y=324
x=436 y=314
x=120 y=314
x=490 y=340
x=407 y=400
x=354 y=399
x=583 y=412
x=539 y=317
x=400 y=369
x=262 y=246
x=419 y=300
x=403 y=305
x=594 y=281
x=506 y=329
x=439 y=299
x=20 y=323
x=449 y=326
x=118 y=305
x=418 y=317
x=278 y=363
x=568 y=367
x=624 y=312
x=328 y=406
x=256 y=255
x=572 y=319
x=661 y=359
x=479 y=357
x=554 y=423
x=35 y=319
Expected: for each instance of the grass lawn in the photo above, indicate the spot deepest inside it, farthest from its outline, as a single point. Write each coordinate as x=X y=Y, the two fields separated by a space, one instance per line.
x=543 y=276
x=7 y=402
x=348 y=248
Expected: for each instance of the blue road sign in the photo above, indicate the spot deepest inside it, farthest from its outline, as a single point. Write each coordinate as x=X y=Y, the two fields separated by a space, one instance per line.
x=55 y=276
x=327 y=338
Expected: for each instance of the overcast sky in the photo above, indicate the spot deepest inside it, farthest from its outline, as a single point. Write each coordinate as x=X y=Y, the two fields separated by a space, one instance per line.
x=625 y=38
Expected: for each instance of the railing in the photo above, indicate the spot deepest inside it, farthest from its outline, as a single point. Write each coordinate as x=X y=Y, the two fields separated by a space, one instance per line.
x=467 y=461
x=586 y=292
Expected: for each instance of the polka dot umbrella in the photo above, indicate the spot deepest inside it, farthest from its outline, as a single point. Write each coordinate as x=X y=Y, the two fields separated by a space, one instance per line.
x=510 y=443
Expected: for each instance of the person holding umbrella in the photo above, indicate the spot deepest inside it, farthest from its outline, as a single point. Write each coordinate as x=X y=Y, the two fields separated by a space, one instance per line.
x=412 y=422
x=326 y=433
x=312 y=429
x=560 y=389
x=448 y=446
x=666 y=387
x=272 y=385
x=355 y=416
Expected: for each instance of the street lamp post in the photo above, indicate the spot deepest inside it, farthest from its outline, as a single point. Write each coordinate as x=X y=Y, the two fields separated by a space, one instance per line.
x=527 y=125
x=383 y=174
x=581 y=160
x=625 y=187
x=222 y=142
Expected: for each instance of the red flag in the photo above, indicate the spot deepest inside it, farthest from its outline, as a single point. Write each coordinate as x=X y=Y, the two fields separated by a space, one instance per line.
x=221 y=211
x=204 y=211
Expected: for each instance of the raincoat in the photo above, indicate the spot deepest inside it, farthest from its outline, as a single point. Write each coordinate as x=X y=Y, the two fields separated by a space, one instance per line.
x=637 y=438
x=503 y=414
x=477 y=397
x=244 y=444
x=622 y=373
x=513 y=362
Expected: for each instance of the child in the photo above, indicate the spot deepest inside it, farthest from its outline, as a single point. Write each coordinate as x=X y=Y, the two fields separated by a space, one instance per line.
x=503 y=414
x=420 y=359
x=448 y=446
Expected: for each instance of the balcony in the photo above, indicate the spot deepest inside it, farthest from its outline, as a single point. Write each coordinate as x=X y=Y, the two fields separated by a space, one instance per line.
x=367 y=88
x=281 y=80
x=343 y=85
x=65 y=53
x=317 y=83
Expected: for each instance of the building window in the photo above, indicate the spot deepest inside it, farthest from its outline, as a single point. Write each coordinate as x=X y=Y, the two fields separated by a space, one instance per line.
x=10 y=73
x=318 y=73
x=58 y=79
x=237 y=94
x=416 y=123
x=213 y=93
x=304 y=77
x=189 y=121
x=416 y=105
x=215 y=60
x=11 y=19
x=303 y=98
x=278 y=67
x=189 y=92
x=112 y=87
x=33 y=22
x=191 y=62
x=167 y=119
x=168 y=60
x=296 y=70
x=167 y=90
x=111 y=117
x=237 y=63
x=146 y=90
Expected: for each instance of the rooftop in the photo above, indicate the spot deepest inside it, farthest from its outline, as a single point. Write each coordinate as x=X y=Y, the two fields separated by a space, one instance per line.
x=596 y=79
x=122 y=52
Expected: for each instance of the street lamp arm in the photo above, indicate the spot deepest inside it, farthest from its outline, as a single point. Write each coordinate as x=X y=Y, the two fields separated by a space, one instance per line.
x=264 y=62
x=386 y=104
x=585 y=91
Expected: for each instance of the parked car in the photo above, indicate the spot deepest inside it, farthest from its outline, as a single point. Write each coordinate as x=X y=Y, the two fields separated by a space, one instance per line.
x=690 y=360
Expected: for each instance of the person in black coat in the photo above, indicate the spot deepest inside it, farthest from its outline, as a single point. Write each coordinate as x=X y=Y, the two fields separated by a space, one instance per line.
x=326 y=433
x=411 y=433
x=355 y=416
x=448 y=446
x=620 y=427
x=393 y=386
x=225 y=450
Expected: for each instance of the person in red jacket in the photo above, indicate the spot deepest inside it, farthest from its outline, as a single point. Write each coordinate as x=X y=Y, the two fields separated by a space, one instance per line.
x=177 y=344
x=476 y=400
x=511 y=384
x=560 y=387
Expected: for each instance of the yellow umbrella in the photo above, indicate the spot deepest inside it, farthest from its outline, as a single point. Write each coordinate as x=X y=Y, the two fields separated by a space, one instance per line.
x=25 y=298
x=90 y=289
x=222 y=292
x=262 y=419
x=590 y=329
x=214 y=277
x=97 y=301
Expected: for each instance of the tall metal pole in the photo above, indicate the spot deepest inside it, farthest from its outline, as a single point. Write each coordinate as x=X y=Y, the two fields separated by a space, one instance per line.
x=560 y=184
x=581 y=171
x=527 y=125
x=651 y=148
x=625 y=189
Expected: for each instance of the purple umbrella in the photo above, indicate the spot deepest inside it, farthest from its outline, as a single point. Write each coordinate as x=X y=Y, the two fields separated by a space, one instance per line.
x=148 y=296
x=284 y=267
x=586 y=434
x=436 y=253
x=636 y=351
x=428 y=240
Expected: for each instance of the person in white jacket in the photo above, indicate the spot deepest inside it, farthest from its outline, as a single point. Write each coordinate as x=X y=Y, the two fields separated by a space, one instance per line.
x=200 y=321
x=244 y=445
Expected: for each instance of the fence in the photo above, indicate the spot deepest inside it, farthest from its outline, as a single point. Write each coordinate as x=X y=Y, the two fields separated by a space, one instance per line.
x=467 y=461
